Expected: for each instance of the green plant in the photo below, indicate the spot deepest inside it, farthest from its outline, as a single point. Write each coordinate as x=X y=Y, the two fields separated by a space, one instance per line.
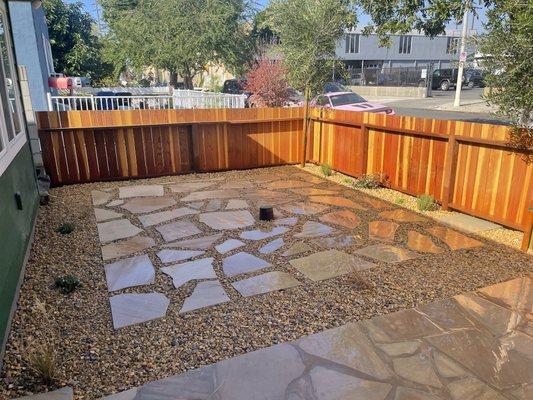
x=326 y=169
x=65 y=228
x=347 y=181
x=426 y=202
x=42 y=360
x=67 y=283
x=371 y=181
x=399 y=200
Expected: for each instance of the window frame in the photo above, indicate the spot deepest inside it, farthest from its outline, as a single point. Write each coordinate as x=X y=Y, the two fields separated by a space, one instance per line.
x=352 y=41
x=10 y=147
x=405 y=44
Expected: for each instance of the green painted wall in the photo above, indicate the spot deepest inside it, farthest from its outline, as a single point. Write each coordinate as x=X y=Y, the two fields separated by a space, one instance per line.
x=15 y=228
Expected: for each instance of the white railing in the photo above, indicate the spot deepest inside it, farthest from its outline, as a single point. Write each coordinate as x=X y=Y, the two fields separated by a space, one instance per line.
x=199 y=99
x=180 y=99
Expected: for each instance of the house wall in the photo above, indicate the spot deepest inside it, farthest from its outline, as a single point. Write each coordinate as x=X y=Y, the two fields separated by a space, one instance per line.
x=15 y=230
x=32 y=49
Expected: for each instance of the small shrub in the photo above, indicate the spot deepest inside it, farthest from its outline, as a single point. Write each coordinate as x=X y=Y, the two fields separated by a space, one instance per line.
x=326 y=169
x=65 y=228
x=42 y=360
x=359 y=281
x=426 y=202
x=67 y=283
x=347 y=181
x=399 y=200
x=371 y=181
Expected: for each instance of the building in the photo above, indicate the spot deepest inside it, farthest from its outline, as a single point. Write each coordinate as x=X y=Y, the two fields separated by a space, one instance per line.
x=18 y=188
x=413 y=50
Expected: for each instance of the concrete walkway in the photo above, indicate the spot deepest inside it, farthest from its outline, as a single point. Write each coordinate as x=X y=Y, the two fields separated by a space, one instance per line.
x=472 y=346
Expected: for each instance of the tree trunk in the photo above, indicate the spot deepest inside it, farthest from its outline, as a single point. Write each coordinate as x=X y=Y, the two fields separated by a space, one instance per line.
x=307 y=95
x=187 y=81
x=174 y=79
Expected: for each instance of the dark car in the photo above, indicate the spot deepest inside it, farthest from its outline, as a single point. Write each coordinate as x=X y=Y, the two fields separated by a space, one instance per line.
x=474 y=78
x=107 y=102
x=234 y=86
x=445 y=78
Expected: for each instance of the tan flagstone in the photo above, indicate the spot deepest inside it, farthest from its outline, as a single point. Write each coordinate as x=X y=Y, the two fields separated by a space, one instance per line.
x=213 y=205
x=297 y=248
x=382 y=230
x=264 y=283
x=401 y=215
x=400 y=348
x=189 y=186
x=337 y=201
x=344 y=218
x=453 y=239
x=205 y=294
x=211 y=194
x=386 y=253
x=102 y=214
x=115 y=203
x=312 y=191
x=237 y=185
x=336 y=242
x=235 y=204
x=516 y=294
x=286 y=184
x=302 y=208
x=201 y=243
x=177 y=230
x=417 y=241
x=222 y=220
x=126 y=247
x=143 y=205
x=417 y=368
x=141 y=191
x=164 y=216
x=314 y=229
x=100 y=198
x=118 y=229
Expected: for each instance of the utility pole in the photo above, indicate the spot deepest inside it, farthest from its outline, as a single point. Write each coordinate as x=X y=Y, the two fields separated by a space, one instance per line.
x=462 y=57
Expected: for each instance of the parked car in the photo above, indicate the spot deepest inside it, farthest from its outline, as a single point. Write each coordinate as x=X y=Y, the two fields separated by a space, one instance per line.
x=331 y=87
x=474 y=78
x=296 y=98
x=349 y=101
x=109 y=103
x=234 y=86
x=445 y=79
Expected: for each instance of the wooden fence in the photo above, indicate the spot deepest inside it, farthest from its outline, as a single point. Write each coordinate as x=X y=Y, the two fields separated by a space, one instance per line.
x=88 y=146
x=465 y=166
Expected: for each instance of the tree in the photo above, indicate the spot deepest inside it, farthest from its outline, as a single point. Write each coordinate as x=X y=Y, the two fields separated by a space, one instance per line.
x=308 y=31
x=77 y=51
x=267 y=81
x=181 y=36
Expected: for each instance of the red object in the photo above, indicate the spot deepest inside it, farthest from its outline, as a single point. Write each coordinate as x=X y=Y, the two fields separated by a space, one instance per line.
x=60 y=83
x=268 y=84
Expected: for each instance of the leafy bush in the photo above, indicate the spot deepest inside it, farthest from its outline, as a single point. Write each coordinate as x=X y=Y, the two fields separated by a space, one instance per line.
x=426 y=202
x=67 y=283
x=65 y=228
x=371 y=181
x=347 y=181
x=399 y=200
x=42 y=361
x=326 y=169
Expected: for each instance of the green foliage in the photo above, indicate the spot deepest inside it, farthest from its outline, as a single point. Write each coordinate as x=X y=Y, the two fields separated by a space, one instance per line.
x=67 y=283
x=308 y=31
x=181 y=36
x=426 y=202
x=65 y=228
x=326 y=169
x=371 y=181
x=399 y=201
x=347 y=181
x=42 y=361
x=76 y=49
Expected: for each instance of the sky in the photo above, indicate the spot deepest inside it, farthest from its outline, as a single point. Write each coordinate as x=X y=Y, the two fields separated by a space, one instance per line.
x=91 y=7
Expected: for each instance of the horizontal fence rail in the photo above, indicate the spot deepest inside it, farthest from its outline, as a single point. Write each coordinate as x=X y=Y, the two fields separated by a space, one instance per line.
x=465 y=166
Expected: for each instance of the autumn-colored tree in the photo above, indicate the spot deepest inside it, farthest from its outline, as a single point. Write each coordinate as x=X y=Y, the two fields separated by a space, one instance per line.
x=267 y=81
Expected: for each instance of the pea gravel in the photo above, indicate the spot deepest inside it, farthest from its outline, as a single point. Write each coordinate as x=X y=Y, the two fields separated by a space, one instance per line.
x=97 y=360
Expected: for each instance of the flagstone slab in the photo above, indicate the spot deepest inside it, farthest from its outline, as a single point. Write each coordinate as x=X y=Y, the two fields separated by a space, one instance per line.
x=213 y=205
x=272 y=246
x=236 y=204
x=115 y=203
x=170 y=255
x=197 y=205
x=287 y=184
x=467 y=222
x=164 y=216
x=130 y=309
x=242 y=263
x=401 y=215
x=382 y=230
x=65 y=393
x=205 y=294
x=226 y=220
x=126 y=247
x=228 y=245
x=211 y=194
x=516 y=294
x=306 y=191
x=189 y=186
x=454 y=239
x=337 y=201
x=192 y=270
x=377 y=203
x=141 y=191
x=264 y=283
x=134 y=271
x=302 y=208
x=144 y=205
x=417 y=368
x=237 y=185
x=177 y=230
x=260 y=235
x=297 y=248
x=100 y=198
x=102 y=214
x=417 y=241
x=289 y=221
x=263 y=197
x=309 y=178
x=329 y=264
x=314 y=229
x=336 y=242
x=118 y=229
x=344 y=218
x=201 y=243
x=386 y=253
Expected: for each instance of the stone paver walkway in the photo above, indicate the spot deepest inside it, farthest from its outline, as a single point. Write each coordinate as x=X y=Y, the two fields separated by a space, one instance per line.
x=476 y=346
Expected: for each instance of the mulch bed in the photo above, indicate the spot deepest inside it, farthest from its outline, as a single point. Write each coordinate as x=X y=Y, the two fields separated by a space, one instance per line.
x=97 y=360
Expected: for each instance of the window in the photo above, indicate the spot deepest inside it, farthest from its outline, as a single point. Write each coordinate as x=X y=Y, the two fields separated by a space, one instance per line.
x=451 y=45
x=322 y=101
x=12 y=136
x=405 y=45
x=352 y=43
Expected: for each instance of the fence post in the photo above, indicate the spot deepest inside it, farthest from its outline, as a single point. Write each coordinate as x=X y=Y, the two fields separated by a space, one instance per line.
x=363 y=145
x=449 y=171
x=49 y=101
x=527 y=241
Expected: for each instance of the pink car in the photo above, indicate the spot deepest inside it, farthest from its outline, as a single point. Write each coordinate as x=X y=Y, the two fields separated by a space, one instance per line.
x=349 y=101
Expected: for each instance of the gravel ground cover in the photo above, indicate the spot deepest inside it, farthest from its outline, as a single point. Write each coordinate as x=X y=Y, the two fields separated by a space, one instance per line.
x=98 y=360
